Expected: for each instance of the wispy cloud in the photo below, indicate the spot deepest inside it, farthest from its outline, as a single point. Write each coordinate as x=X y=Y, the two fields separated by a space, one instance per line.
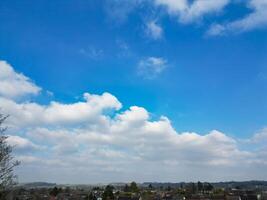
x=187 y=12
x=119 y=10
x=257 y=19
x=154 y=30
x=124 y=49
x=191 y=11
x=92 y=53
x=151 y=67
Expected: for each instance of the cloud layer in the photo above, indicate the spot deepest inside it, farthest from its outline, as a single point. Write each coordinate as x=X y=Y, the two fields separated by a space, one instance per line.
x=95 y=140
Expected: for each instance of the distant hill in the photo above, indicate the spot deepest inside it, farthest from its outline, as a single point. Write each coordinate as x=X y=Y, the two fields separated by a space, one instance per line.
x=229 y=184
x=37 y=185
x=241 y=184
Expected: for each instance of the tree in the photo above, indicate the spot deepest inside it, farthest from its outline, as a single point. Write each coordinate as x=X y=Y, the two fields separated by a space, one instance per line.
x=169 y=188
x=134 y=187
x=55 y=191
x=108 y=193
x=91 y=196
x=150 y=187
x=126 y=188
x=7 y=162
x=208 y=187
x=199 y=186
x=193 y=188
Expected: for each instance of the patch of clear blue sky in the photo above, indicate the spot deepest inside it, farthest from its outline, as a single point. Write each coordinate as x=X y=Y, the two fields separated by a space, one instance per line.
x=210 y=83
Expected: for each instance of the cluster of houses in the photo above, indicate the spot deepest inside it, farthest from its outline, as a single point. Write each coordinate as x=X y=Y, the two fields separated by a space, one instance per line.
x=133 y=193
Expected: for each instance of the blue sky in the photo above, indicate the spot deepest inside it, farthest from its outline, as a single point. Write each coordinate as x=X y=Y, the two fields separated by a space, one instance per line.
x=202 y=65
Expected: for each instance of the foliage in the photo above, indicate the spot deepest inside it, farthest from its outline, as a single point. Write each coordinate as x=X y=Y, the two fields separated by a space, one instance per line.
x=134 y=187
x=126 y=188
x=208 y=187
x=91 y=196
x=200 y=187
x=108 y=193
x=55 y=191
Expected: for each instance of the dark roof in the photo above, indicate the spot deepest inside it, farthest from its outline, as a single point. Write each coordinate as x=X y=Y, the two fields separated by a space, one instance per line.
x=124 y=198
x=234 y=197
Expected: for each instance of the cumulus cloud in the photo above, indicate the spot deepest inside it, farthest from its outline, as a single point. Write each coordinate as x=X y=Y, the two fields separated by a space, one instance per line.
x=255 y=20
x=82 y=142
x=34 y=114
x=130 y=140
x=151 y=67
x=15 y=85
x=154 y=30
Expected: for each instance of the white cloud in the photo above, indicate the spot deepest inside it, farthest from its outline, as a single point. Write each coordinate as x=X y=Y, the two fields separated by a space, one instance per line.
x=15 y=85
x=216 y=29
x=260 y=137
x=173 y=6
x=255 y=20
x=132 y=140
x=154 y=30
x=192 y=11
x=151 y=67
x=22 y=144
x=188 y=12
x=119 y=10
x=129 y=140
x=82 y=143
x=33 y=114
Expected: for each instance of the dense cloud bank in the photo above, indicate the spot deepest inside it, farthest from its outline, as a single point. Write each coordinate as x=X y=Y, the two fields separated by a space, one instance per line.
x=96 y=140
